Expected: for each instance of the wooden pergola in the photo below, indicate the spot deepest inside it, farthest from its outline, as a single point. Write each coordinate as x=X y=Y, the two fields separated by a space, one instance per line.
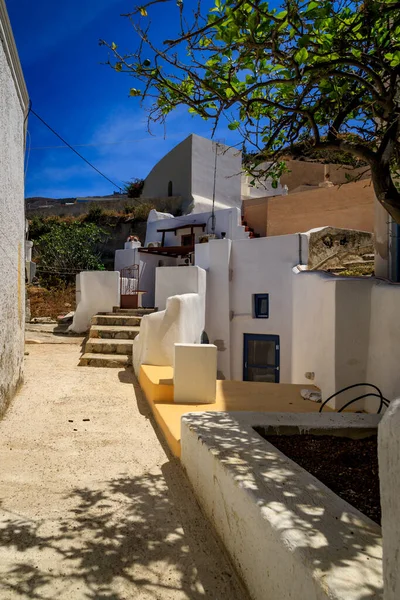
x=190 y=226
x=173 y=251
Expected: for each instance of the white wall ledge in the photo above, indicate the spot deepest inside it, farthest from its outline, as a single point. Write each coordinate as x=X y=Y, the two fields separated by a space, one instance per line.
x=287 y=533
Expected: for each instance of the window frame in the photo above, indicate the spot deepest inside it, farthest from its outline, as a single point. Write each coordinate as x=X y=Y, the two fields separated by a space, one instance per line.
x=257 y=299
x=185 y=237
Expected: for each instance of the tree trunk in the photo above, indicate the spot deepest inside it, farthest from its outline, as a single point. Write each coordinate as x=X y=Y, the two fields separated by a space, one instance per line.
x=385 y=190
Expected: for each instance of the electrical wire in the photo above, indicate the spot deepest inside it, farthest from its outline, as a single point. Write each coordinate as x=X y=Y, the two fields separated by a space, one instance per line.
x=93 y=145
x=73 y=149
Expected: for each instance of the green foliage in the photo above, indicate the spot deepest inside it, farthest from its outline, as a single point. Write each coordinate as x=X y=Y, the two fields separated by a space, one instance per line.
x=95 y=214
x=129 y=209
x=142 y=210
x=321 y=72
x=68 y=248
x=40 y=225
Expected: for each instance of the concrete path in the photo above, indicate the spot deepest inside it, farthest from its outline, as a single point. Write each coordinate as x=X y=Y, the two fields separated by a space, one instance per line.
x=91 y=507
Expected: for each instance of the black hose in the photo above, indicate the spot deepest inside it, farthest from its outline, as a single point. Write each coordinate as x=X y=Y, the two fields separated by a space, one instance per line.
x=349 y=387
x=383 y=401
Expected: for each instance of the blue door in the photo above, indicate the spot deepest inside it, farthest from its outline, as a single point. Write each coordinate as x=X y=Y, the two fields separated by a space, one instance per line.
x=261 y=358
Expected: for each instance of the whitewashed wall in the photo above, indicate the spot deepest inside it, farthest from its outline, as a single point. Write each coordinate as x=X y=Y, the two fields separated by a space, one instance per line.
x=174 y=166
x=227 y=220
x=263 y=266
x=215 y=258
x=384 y=346
x=228 y=174
x=13 y=109
x=174 y=281
x=99 y=291
x=389 y=479
x=126 y=258
x=313 y=328
x=235 y=272
x=346 y=331
x=190 y=168
x=147 y=267
x=331 y=320
x=181 y=322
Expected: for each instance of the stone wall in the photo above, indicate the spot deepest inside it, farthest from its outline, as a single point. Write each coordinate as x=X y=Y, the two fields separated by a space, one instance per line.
x=331 y=248
x=13 y=106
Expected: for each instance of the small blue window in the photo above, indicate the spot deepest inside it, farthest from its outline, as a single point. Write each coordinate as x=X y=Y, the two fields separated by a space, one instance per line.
x=261 y=306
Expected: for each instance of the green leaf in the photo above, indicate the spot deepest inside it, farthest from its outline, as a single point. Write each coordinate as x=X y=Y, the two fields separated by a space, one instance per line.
x=114 y=46
x=143 y=11
x=301 y=56
x=311 y=6
x=393 y=58
x=135 y=92
x=234 y=125
x=118 y=66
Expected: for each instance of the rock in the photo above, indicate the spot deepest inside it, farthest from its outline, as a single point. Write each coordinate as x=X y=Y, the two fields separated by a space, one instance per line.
x=43 y=320
x=66 y=318
x=312 y=395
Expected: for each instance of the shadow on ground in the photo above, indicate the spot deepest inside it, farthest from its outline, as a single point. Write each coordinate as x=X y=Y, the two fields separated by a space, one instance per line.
x=128 y=537
x=115 y=542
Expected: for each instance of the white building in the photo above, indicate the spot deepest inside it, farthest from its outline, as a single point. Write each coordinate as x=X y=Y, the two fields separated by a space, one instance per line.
x=170 y=241
x=273 y=321
x=13 y=112
x=198 y=170
x=270 y=319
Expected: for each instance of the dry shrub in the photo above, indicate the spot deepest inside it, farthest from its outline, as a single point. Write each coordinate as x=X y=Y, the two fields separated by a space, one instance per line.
x=51 y=303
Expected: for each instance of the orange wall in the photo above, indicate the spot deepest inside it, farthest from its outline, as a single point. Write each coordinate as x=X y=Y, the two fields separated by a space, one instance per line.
x=350 y=206
x=255 y=214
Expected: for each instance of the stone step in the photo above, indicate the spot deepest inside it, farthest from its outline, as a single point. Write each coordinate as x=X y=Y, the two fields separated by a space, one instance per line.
x=134 y=312
x=114 y=319
x=90 y=359
x=108 y=346
x=113 y=332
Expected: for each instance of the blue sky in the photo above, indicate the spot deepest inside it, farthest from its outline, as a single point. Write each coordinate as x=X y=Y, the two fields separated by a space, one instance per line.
x=87 y=102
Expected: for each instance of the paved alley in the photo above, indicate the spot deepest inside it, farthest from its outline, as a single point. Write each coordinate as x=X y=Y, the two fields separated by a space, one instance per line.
x=91 y=507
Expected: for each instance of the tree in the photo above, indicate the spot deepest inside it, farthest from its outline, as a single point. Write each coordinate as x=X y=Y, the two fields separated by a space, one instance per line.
x=67 y=249
x=134 y=188
x=321 y=73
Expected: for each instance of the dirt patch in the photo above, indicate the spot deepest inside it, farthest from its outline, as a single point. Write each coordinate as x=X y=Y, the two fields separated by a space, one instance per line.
x=348 y=467
x=51 y=303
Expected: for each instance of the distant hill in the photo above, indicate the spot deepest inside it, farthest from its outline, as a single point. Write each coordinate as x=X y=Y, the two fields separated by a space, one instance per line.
x=38 y=201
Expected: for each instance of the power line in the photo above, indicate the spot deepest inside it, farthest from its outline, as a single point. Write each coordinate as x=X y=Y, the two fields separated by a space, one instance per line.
x=73 y=149
x=92 y=145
